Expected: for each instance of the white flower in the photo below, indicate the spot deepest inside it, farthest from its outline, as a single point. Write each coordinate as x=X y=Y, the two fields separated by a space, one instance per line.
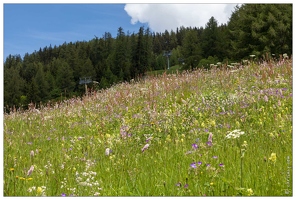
x=235 y=134
x=108 y=151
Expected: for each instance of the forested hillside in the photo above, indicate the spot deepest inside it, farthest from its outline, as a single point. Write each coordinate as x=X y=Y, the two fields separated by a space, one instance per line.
x=54 y=73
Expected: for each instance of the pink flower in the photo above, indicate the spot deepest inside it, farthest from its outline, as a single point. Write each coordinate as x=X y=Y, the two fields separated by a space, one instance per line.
x=145 y=147
x=30 y=170
x=210 y=138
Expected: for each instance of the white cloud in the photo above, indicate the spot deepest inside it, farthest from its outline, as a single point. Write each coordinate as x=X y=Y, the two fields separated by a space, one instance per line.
x=161 y=17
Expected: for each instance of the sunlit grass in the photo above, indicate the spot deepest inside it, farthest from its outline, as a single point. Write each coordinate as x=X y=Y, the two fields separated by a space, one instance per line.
x=185 y=118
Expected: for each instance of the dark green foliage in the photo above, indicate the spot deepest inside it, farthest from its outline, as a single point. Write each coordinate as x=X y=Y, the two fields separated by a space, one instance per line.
x=54 y=72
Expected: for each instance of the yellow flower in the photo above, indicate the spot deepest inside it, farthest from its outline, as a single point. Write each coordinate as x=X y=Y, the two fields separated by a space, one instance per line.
x=211 y=184
x=11 y=169
x=250 y=192
x=22 y=178
x=29 y=179
x=213 y=123
x=108 y=135
x=39 y=190
x=272 y=157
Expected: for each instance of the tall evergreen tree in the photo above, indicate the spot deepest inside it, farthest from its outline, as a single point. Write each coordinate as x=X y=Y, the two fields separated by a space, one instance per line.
x=191 y=49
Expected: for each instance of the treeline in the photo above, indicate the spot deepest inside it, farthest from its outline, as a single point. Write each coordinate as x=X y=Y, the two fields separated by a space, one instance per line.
x=53 y=73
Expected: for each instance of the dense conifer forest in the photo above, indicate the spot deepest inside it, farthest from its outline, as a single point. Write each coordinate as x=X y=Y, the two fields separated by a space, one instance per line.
x=54 y=73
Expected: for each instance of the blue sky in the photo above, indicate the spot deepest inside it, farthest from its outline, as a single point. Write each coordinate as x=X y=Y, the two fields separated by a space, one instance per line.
x=29 y=27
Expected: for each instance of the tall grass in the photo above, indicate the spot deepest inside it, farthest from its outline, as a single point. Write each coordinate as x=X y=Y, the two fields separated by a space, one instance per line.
x=209 y=133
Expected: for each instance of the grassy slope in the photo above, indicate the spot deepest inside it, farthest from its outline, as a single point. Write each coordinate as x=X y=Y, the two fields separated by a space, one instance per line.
x=176 y=110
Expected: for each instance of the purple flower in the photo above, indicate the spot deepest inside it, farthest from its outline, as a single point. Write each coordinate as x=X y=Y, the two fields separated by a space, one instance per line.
x=63 y=195
x=178 y=184
x=208 y=164
x=215 y=157
x=48 y=138
x=186 y=186
x=194 y=146
x=209 y=143
x=199 y=163
x=221 y=165
x=193 y=165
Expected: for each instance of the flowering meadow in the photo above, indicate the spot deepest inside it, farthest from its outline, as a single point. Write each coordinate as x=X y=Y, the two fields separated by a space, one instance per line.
x=218 y=132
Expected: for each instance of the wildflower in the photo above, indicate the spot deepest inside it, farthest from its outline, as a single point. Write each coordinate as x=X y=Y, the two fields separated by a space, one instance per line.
x=39 y=190
x=96 y=194
x=245 y=144
x=148 y=139
x=221 y=165
x=210 y=138
x=30 y=170
x=194 y=146
x=211 y=184
x=199 y=163
x=235 y=134
x=186 y=186
x=265 y=98
x=193 y=165
x=108 y=151
x=29 y=179
x=11 y=169
x=215 y=157
x=145 y=147
x=123 y=131
x=209 y=143
x=250 y=192
x=63 y=195
x=272 y=157
x=178 y=184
